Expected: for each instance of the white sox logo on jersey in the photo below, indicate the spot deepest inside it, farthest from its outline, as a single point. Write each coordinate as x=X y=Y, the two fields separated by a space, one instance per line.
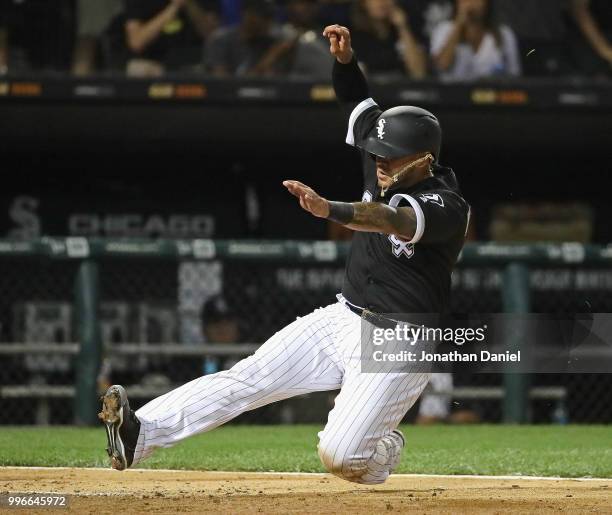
x=381 y=128
x=401 y=248
x=434 y=198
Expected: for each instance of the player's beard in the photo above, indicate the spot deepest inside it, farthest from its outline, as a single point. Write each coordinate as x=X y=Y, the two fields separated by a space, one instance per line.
x=397 y=176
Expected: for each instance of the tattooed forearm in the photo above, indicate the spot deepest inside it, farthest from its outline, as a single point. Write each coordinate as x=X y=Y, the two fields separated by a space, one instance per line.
x=377 y=217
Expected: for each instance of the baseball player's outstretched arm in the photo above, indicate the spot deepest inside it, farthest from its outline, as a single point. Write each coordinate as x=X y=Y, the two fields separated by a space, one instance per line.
x=349 y=83
x=377 y=217
x=351 y=87
x=358 y=216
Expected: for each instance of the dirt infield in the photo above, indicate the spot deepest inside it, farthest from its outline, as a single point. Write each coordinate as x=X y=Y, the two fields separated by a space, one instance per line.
x=146 y=491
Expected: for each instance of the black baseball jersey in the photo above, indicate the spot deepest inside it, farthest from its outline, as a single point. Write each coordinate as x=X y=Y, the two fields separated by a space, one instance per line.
x=386 y=274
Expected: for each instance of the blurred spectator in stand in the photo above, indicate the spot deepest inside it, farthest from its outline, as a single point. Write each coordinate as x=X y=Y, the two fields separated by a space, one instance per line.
x=35 y=35
x=541 y=30
x=93 y=19
x=435 y=403
x=307 y=49
x=219 y=326
x=472 y=46
x=244 y=49
x=592 y=51
x=230 y=12
x=384 y=41
x=167 y=35
x=432 y=13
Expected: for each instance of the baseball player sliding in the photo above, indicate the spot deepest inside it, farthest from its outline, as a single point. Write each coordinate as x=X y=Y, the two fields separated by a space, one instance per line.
x=409 y=229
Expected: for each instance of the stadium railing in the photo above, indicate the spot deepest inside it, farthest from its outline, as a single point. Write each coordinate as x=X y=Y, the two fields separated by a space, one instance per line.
x=69 y=306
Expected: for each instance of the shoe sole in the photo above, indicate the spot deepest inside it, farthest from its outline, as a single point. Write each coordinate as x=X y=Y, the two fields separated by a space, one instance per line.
x=112 y=416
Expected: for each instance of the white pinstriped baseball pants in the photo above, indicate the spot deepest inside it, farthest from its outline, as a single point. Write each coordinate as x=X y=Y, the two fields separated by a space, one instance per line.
x=318 y=352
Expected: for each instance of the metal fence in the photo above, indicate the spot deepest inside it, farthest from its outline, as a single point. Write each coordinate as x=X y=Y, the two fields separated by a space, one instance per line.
x=78 y=314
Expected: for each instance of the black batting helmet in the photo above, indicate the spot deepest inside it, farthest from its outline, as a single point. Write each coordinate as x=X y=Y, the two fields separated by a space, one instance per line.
x=402 y=131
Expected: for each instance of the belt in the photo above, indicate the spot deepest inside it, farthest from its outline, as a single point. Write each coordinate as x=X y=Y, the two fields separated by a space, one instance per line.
x=373 y=318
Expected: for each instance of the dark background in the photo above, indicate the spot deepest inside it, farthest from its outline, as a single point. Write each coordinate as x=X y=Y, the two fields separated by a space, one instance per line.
x=134 y=157
x=171 y=157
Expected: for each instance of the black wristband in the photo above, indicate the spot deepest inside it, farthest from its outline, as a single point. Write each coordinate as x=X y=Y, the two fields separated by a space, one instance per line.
x=341 y=212
x=349 y=83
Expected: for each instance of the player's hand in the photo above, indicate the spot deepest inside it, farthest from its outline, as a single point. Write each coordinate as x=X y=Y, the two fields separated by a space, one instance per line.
x=339 y=42
x=310 y=200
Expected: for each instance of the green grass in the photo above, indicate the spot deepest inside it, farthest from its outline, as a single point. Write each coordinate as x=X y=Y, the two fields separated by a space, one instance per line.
x=569 y=451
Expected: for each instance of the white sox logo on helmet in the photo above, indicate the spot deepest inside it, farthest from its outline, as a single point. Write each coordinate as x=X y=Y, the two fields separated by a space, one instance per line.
x=381 y=128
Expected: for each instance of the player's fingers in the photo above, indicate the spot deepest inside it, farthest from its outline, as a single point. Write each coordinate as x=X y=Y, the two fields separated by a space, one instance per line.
x=345 y=41
x=295 y=186
x=342 y=32
x=300 y=190
x=334 y=48
x=302 y=185
x=330 y=29
x=293 y=189
x=305 y=194
x=291 y=185
x=293 y=182
x=296 y=192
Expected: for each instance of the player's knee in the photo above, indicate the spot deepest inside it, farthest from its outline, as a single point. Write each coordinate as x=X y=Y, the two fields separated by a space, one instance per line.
x=342 y=465
x=326 y=453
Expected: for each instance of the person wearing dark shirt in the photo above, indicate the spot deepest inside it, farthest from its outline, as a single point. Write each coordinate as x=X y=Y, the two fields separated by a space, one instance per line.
x=409 y=230
x=35 y=35
x=539 y=26
x=401 y=257
x=301 y=50
x=593 y=49
x=252 y=47
x=384 y=40
x=93 y=19
x=219 y=326
x=167 y=35
x=307 y=51
x=474 y=45
x=428 y=14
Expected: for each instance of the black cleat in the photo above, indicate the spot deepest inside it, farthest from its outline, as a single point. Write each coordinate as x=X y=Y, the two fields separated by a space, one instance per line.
x=122 y=427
